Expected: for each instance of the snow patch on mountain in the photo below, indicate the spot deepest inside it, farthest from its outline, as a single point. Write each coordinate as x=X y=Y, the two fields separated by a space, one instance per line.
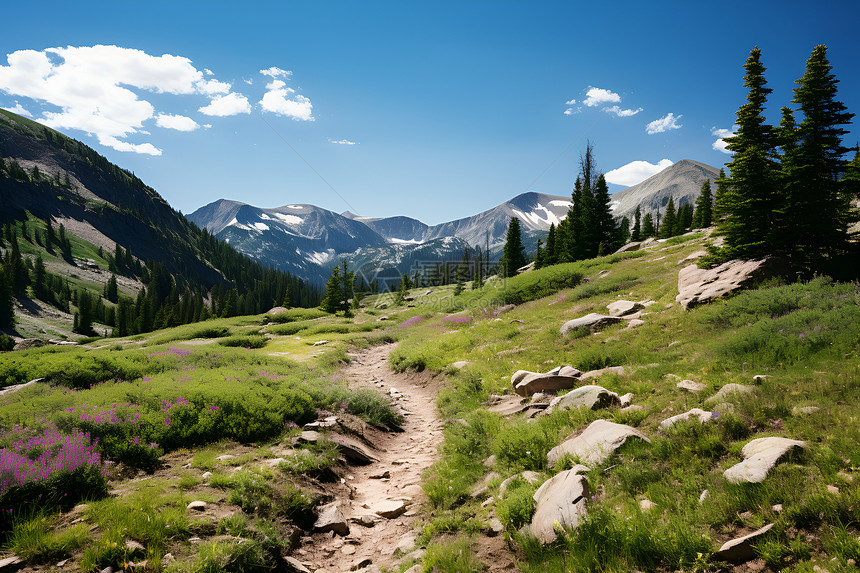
x=289 y=219
x=260 y=226
x=293 y=206
x=405 y=241
x=536 y=219
x=320 y=258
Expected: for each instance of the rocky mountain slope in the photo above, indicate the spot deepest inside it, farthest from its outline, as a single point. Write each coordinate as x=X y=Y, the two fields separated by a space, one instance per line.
x=681 y=181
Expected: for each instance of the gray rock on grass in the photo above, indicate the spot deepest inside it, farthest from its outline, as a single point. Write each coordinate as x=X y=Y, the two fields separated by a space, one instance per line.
x=596 y=444
x=727 y=391
x=740 y=550
x=697 y=413
x=560 y=501
x=760 y=456
x=623 y=307
x=593 y=322
x=697 y=286
x=591 y=397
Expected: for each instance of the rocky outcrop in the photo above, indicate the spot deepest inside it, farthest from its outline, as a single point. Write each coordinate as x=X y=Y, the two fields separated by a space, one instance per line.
x=596 y=444
x=624 y=307
x=527 y=383
x=697 y=286
x=560 y=501
x=592 y=322
x=527 y=475
x=330 y=518
x=728 y=391
x=760 y=455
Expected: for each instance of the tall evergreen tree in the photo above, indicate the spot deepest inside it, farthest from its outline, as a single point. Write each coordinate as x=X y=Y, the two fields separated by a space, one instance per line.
x=636 y=234
x=513 y=256
x=667 y=228
x=851 y=178
x=750 y=199
x=647 y=226
x=7 y=307
x=286 y=302
x=111 y=291
x=605 y=229
x=704 y=207
x=83 y=316
x=40 y=277
x=819 y=207
x=478 y=281
x=551 y=256
x=333 y=292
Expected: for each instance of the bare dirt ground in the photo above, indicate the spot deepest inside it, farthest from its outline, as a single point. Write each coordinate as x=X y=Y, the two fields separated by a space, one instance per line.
x=403 y=457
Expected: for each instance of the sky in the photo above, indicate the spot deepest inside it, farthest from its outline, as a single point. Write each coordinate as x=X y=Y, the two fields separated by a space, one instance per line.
x=433 y=110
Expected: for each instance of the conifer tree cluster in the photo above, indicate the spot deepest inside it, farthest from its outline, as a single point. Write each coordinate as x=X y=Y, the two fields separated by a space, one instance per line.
x=589 y=230
x=790 y=187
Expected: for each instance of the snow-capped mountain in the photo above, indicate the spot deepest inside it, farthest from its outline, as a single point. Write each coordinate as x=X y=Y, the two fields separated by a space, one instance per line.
x=308 y=241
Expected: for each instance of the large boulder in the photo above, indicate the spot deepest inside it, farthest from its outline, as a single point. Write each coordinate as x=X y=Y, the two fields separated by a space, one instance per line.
x=590 y=397
x=593 y=322
x=608 y=371
x=330 y=518
x=728 y=391
x=561 y=500
x=596 y=444
x=526 y=383
x=760 y=455
x=697 y=286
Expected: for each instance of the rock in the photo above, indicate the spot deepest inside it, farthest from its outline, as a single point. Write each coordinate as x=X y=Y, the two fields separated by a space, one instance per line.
x=459 y=364
x=740 y=550
x=630 y=247
x=632 y=408
x=569 y=371
x=320 y=342
x=225 y=457
x=805 y=410
x=381 y=475
x=295 y=566
x=528 y=475
x=167 y=559
x=833 y=489
x=310 y=437
x=390 y=509
x=697 y=286
x=590 y=397
x=206 y=475
x=348 y=550
x=633 y=323
x=406 y=543
x=559 y=501
x=691 y=386
x=11 y=563
x=723 y=394
x=544 y=383
x=482 y=487
x=596 y=444
x=593 y=322
x=362 y=564
x=196 y=506
x=608 y=371
x=503 y=309
x=354 y=452
x=494 y=527
x=759 y=379
x=646 y=504
x=417 y=568
x=702 y=415
x=760 y=455
x=623 y=307
x=330 y=518
x=133 y=546
x=626 y=400
x=365 y=520
x=26 y=343
x=703 y=496
x=490 y=461
x=508 y=406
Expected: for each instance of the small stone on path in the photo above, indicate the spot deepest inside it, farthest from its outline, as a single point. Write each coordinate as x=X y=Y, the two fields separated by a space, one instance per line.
x=197 y=506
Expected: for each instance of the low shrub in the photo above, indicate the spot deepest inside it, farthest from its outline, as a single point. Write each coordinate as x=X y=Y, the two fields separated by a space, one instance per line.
x=245 y=341
x=295 y=315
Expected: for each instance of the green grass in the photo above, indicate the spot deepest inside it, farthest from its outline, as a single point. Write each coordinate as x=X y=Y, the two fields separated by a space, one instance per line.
x=36 y=540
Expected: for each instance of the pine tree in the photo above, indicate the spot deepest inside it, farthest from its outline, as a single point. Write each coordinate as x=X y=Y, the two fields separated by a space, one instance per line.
x=637 y=225
x=819 y=210
x=606 y=230
x=704 y=207
x=749 y=200
x=39 y=279
x=624 y=231
x=287 y=302
x=7 y=307
x=647 y=226
x=513 y=256
x=478 y=281
x=551 y=256
x=540 y=255
x=347 y=289
x=111 y=291
x=333 y=293
x=83 y=317
x=667 y=228
x=851 y=178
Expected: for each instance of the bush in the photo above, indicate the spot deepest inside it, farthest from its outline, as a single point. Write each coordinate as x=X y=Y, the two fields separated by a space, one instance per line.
x=7 y=343
x=540 y=283
x=295 y=315
x=517 y=507
x=245 y=341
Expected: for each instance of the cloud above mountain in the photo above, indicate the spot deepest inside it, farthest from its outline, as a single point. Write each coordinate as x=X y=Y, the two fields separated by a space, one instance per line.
x=107 y=91
x=666 y=123
x=636 y=172
x=720 y=144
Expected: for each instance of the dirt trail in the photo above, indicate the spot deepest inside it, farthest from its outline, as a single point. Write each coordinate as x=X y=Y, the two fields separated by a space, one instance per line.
x=404 y=455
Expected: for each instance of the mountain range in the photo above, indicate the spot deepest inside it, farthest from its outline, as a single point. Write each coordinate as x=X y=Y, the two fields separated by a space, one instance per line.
x=682 y=181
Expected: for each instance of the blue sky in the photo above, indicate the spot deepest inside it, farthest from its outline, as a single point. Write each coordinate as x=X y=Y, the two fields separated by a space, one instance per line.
x=434 y=110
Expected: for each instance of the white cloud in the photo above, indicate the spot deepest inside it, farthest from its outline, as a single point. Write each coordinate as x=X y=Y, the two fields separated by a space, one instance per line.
x=622 y=112
x=207 y=125
x=599 y=96
x=249 y=82
x=571 y=102
x=665 y=123
x=230 y=104
x=101 y=89
x=19 y=110
x=342 y=141
x=636 y=172
x=571 y=111
x=282 y=101
x=208 y=72
x=274 y=72
x=720 y=144
x=177 y=122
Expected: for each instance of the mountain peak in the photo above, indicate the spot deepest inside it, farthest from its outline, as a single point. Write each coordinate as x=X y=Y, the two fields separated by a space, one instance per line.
x=682 y=181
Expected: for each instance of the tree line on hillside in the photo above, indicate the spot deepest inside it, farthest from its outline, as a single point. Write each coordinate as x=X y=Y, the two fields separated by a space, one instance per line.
x=167 y=299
